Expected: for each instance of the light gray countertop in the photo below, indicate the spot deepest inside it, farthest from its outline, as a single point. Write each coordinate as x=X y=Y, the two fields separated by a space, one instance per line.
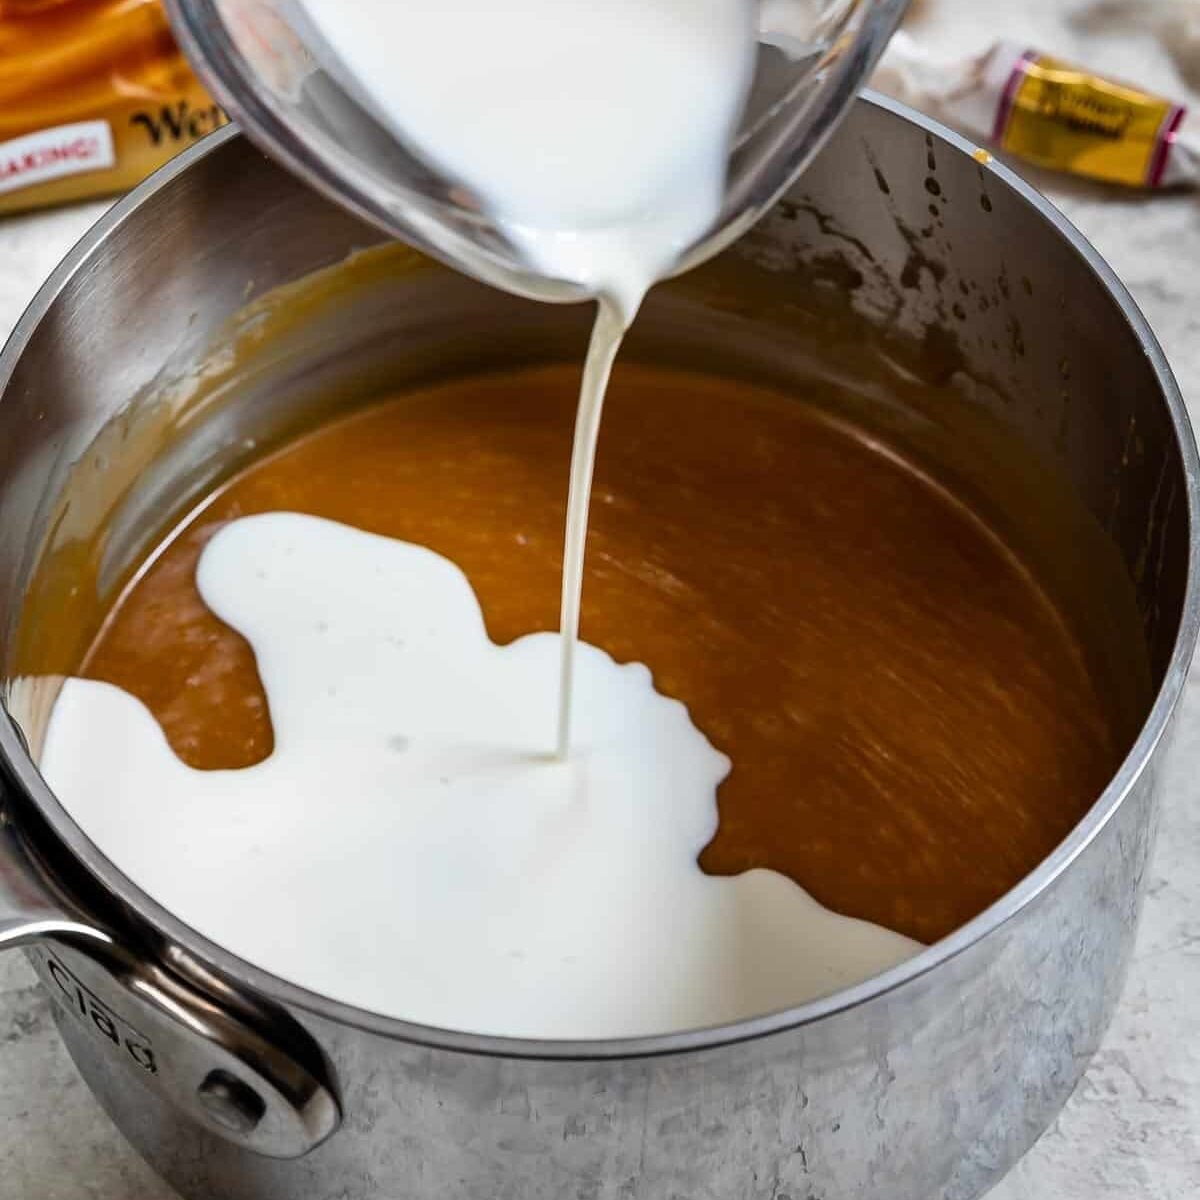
x=1132 y=1129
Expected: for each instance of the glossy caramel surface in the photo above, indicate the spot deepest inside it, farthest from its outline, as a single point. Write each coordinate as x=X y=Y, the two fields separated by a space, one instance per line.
x=910 y=720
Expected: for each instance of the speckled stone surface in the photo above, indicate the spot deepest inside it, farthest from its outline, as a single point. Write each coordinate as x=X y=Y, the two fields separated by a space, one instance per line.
x=1132 y=1129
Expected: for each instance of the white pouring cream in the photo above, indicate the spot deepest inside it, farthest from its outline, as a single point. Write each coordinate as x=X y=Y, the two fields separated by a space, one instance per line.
x=410 y=848
x=595 y=132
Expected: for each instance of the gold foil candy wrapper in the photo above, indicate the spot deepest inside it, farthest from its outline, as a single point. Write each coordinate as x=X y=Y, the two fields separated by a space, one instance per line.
x=1051 y=113
x=1063 y=117
x=94 y=96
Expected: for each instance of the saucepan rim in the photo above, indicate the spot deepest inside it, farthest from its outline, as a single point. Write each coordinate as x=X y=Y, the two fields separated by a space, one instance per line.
x=25 y=774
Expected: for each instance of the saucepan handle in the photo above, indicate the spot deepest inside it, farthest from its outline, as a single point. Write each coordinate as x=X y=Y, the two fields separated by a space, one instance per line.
x=29 y=910
x=240 y=1066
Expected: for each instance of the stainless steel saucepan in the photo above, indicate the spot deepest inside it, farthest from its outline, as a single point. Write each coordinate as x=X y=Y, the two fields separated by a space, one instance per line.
x=163 y=352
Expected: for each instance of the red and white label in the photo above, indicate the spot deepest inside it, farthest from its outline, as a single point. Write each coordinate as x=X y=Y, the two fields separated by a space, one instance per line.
x=55 y=153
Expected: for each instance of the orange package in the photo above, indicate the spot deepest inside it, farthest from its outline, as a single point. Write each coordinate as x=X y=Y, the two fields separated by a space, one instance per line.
x=94 y=95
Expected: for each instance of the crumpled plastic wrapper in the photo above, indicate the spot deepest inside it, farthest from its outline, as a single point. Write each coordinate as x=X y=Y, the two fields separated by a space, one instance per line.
x=1176 y=24
x=94 y=95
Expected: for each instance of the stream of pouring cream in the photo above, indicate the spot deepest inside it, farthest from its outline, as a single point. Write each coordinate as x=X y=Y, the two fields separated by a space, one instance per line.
x=607 y=333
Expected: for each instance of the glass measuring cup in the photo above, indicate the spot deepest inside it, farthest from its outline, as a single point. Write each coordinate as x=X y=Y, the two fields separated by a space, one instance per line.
x=268 y=66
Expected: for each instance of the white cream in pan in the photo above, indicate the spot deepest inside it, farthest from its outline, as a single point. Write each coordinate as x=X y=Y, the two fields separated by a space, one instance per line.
x=412 y=846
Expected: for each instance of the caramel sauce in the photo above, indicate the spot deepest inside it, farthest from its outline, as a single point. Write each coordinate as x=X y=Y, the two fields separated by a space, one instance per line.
x=910 y=719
